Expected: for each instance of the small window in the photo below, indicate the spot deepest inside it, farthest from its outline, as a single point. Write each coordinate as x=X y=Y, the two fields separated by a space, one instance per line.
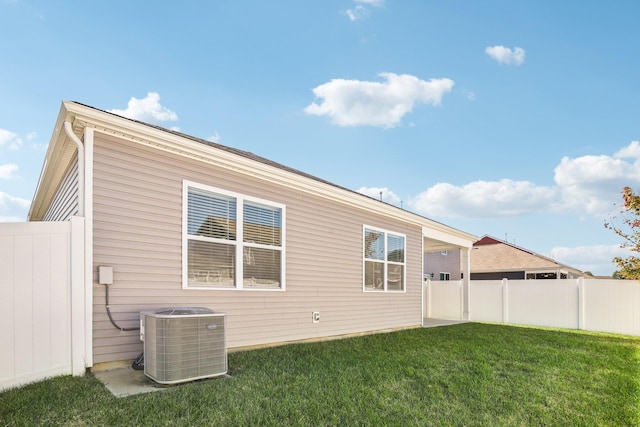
x=541 y=275
x=231 y=241
x=384 y=260
x=445 y=276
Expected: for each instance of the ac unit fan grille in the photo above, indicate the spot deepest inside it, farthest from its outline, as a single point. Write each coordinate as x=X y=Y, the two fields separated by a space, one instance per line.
x=183 y=348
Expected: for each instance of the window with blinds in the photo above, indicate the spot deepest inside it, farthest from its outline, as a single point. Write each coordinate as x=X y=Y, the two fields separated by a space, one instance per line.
x=232 y=241
x=262 y=238
x=384 y=260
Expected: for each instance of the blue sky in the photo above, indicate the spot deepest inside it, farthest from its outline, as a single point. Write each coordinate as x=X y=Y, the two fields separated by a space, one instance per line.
x=517 y=119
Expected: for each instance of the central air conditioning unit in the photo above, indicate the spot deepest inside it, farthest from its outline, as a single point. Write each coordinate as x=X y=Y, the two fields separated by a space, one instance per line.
x=183 y=344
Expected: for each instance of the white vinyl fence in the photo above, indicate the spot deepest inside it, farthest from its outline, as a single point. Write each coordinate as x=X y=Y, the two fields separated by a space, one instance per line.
x=39 y=336
x=591 y=304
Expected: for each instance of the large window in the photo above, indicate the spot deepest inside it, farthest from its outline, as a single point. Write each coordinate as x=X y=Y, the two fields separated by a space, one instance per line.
x=384 y=262
x=231 y=241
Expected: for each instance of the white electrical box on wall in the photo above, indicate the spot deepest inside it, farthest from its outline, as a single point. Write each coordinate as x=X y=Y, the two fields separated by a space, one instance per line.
x=105 y=275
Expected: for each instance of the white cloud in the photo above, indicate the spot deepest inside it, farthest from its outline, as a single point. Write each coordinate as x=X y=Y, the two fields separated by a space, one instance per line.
x=13 y=209
x=7 y=171
x=6 y=136
x=631 y=151
x=593 y=183
x=358 y=12
x=214 y=138
x=8 y=201
x=484 y=199
x=587 y=185
x=10 y=140
x=596 y=259
x=361 y=9
x=505 y=55
x=378 y=192
x=147 y=109
x=381 y=104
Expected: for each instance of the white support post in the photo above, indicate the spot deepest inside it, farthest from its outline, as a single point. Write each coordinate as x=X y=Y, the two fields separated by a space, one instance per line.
x=505 y=300
x=428 y=298
x=581 y=308
x=423 y=306
x=464 y=315
x=466 y=286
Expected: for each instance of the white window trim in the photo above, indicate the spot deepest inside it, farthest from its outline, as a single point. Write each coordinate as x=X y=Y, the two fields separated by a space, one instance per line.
x=238 y=243
x=443 y=273
x=387 y=263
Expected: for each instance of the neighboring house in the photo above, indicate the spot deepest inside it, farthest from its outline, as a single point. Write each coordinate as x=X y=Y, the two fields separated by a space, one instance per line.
x=443 y=265
x=187 y=222
x=494 y=259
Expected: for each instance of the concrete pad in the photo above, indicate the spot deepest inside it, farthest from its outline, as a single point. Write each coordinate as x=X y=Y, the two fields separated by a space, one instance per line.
x=127 y=382
x=432 y=323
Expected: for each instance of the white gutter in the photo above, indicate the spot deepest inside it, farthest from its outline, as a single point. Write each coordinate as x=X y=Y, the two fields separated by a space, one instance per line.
x=69 y=131
x=83 y=319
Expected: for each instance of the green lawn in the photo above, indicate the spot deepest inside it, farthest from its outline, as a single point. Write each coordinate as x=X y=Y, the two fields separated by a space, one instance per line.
x=467 y=374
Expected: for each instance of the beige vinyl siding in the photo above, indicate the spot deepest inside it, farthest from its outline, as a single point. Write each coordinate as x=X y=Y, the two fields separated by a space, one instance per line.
x=436 y=263
x=65 y=202
x=137 y=230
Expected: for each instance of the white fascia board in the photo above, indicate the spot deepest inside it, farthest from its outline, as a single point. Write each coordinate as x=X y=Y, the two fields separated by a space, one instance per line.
x=160 y=139
x=455 y=237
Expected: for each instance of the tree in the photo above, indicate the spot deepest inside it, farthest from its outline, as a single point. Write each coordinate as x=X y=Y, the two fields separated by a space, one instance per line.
x=630 y=217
